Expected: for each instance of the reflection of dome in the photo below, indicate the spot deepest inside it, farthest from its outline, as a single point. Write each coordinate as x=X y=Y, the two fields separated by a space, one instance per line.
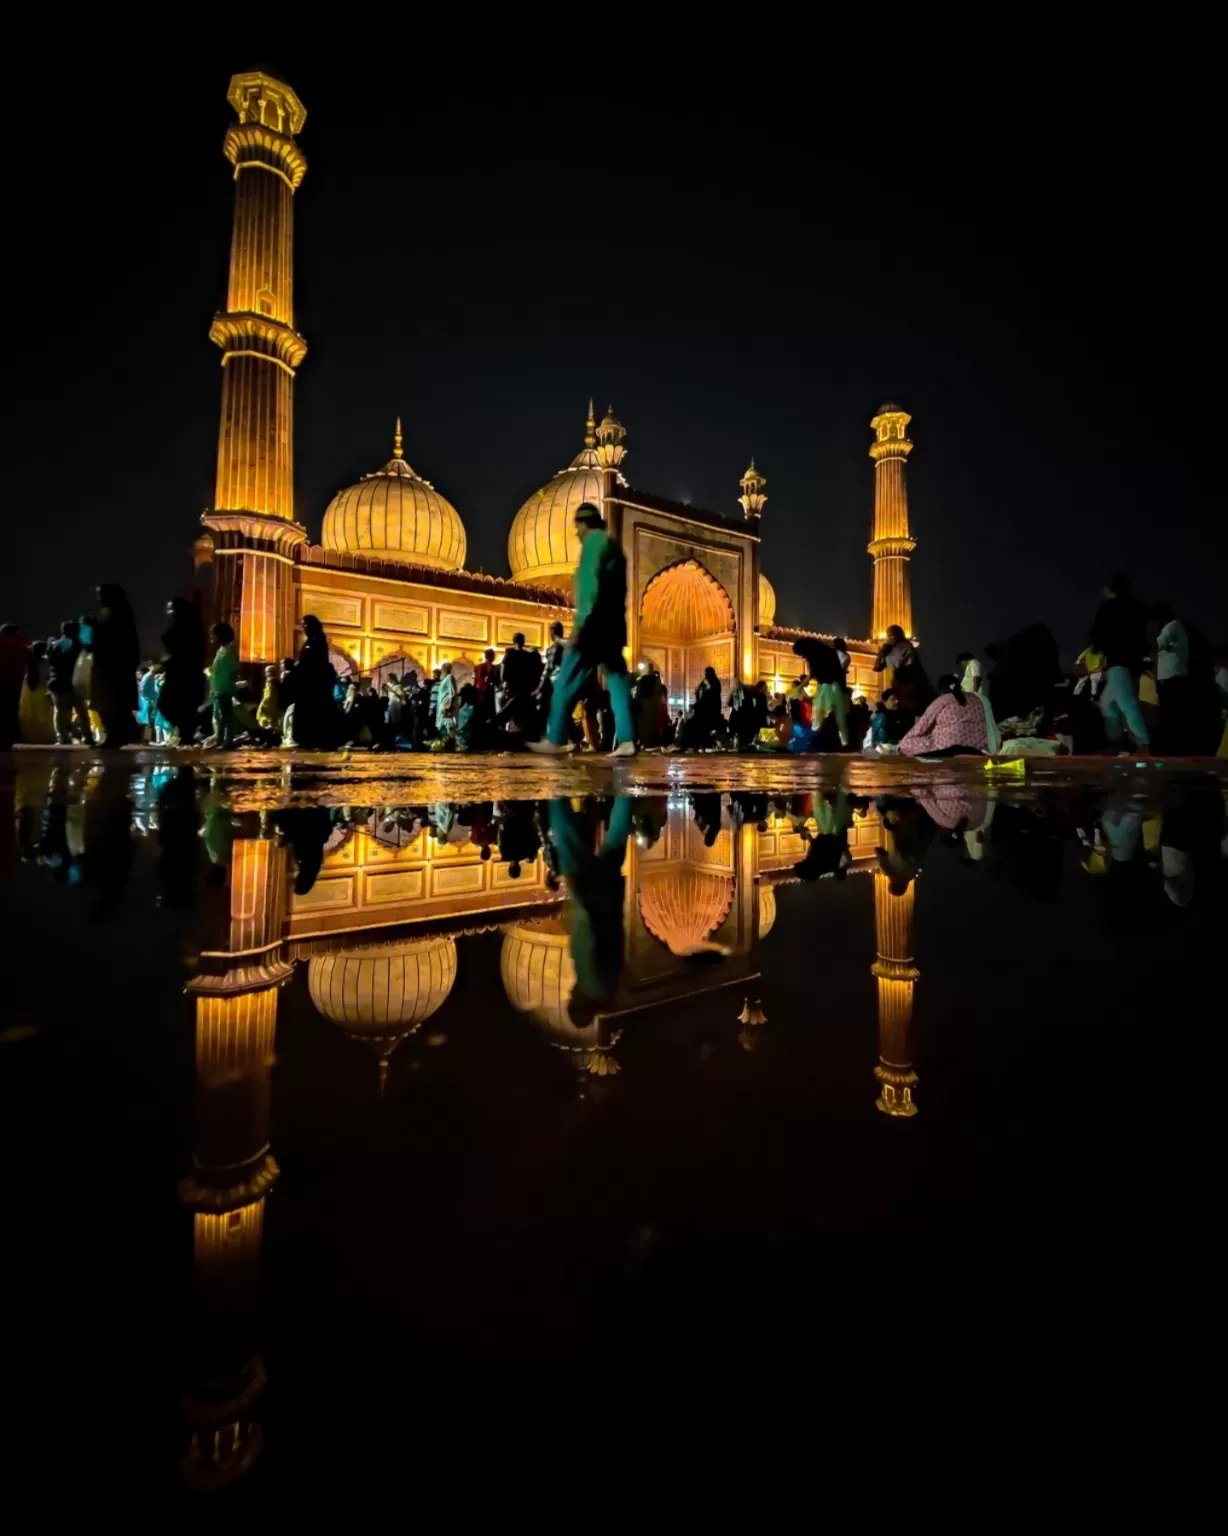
x=395 y=512
x=682 y=906
x=382 y=992
x=767 y=910
x=542 y=547
x=539 y=976
x=767 y=601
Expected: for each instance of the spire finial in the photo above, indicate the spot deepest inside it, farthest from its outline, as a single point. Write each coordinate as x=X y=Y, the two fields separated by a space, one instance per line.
x=396 y=442
x=590 y=426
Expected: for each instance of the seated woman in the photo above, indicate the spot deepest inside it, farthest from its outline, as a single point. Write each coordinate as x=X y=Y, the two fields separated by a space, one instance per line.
x=887 y=725
x=954 y=723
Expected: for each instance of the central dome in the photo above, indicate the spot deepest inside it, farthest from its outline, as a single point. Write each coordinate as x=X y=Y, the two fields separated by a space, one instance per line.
x=542 y=547
x=395 y=512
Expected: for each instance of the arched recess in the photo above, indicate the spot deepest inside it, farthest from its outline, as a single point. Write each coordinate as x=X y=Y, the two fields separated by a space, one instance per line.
x=686 y=624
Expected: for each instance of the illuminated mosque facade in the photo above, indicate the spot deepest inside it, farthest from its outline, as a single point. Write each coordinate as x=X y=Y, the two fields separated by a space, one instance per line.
x=388 y=578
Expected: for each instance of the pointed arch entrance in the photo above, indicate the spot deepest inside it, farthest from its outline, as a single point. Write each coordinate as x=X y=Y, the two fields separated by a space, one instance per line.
x=687 y=623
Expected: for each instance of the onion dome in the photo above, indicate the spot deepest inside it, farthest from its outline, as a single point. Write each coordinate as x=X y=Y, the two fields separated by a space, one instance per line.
x=380 y=993
x=682 y=906
x=767 y=602
x=767 y=910
x=395 y=512
x=539 y=977
x=542 y=547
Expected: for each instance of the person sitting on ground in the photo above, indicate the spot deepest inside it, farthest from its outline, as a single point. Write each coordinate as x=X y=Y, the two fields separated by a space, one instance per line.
x=887 y=723
x=954 y=723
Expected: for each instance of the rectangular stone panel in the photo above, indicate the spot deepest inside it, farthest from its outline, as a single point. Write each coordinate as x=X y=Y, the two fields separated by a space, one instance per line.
x=401 y=618
x=506 y=628
x=329 y=608
x=328 y=895
x=395 y=885
x=457 y=879
x=463 y=626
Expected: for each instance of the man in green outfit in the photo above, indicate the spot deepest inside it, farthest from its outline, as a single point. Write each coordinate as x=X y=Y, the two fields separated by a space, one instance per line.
x=597 y=638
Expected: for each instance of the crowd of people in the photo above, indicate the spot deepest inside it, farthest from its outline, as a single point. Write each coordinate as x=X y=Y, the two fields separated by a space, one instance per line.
x=1146 y=678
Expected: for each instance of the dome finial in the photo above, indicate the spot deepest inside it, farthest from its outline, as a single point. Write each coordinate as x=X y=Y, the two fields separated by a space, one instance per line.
x=590 y=426
x=397 y=452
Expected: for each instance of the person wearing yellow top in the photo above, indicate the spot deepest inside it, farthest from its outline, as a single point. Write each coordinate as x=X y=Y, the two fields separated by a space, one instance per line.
x=1092 y=663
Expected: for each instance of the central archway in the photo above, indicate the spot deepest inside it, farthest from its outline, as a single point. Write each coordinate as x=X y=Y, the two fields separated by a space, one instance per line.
x=686 y=624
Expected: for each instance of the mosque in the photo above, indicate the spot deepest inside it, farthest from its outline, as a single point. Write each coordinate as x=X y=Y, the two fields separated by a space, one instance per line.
x=388 y=578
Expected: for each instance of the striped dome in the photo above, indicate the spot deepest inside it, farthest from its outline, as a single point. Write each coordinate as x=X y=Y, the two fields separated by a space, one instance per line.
x=538 y=973
x=395 y=512
x=539 y=977
x=382 y=992
x=767 y=601
x=542 y=547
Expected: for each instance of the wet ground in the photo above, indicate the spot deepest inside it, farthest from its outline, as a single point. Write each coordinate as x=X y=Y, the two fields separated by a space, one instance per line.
x=351 y=1100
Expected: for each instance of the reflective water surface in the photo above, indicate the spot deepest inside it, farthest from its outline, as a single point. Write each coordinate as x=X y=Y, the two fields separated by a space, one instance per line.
x=326 y=1121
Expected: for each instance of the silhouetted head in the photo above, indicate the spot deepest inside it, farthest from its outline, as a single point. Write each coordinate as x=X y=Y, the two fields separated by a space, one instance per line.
x=513 y=870
x=587 y=519
x=556 y=630
x=485 y=853
x=964 y=658
x=70 y=629
x=489 y=654
x=894 y=633
x=517 y=641
x=1119 y=585
x=222 y=633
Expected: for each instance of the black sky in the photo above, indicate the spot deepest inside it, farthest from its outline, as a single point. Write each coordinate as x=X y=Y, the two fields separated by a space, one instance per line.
x=1035 y=308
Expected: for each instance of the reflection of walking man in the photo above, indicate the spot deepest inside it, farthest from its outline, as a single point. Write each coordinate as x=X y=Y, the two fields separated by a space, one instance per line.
x=595 y=891
x=598 y=638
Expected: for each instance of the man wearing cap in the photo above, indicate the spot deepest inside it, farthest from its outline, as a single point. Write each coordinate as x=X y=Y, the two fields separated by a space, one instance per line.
x=597 y=638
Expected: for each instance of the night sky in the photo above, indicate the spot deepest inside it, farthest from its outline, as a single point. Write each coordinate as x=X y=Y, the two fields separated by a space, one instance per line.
x=1032 y=309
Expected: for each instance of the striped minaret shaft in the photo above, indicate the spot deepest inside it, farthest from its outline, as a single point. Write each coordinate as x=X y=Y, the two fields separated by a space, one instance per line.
x=251 y=523
x=891 y=542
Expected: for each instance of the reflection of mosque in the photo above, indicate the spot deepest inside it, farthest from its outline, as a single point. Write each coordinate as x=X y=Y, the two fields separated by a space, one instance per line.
x=378 y=932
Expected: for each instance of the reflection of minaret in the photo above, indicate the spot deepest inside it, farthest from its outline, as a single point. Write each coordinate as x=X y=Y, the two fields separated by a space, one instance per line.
x=251 y=527
x=896 y=976
x=233 y=1168
x=892 y=542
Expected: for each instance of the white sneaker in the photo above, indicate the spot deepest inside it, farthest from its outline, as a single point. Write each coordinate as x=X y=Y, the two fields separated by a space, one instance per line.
x=549 y=748
x=624 y=749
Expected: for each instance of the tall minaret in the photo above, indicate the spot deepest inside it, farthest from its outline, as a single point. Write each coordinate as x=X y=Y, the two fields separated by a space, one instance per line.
x=251 y=527
x=896 y=976
x=891 y=542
